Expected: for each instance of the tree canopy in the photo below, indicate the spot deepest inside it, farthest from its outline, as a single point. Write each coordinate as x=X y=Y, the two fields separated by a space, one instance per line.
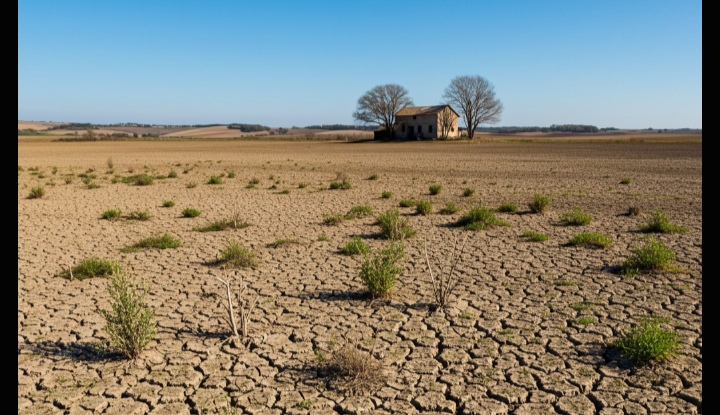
x=380 y=104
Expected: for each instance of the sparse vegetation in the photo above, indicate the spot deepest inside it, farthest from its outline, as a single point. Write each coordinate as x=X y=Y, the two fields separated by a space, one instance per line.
x=625 y=180
x=166 y=241
x=89 y=268
x=534 y=236
x=423 y=207
x=302 y=185
x=322 y=238
x=592 y=239
x=221 y=225
x=235 y=255
x=111 y=214
x=140 y=215
x=648 y=342
x=435 y=189
x=652 y=255
x=355 y=246
x=407 y=203
x=508 y=208
x=168 y=203
x=333 y=219
x=449 y=209
x=190 y=213
x=659 y=223
x=479 y=218
x=585 y=320
x=380 y=270
x=445 y=282
x=354 y=369
x=539 y=203
x=344 y=185
x=373 y=176
x=191 y=185
x=172 y=174
x=467 y=192
x=129 y=321
x=393 y=226
x=282 y=242
x=359 y=211
x=575 y=217
x=386 y=195
x=36 y=192
x=215 y=180
x=141 y=179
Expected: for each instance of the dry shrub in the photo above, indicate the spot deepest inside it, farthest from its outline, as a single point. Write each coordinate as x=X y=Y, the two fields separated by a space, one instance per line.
x=354 y=370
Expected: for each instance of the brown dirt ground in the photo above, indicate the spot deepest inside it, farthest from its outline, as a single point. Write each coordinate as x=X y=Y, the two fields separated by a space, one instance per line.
x=510 y=343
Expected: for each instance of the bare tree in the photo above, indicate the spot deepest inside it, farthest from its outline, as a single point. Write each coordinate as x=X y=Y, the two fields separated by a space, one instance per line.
x=446 y=122
x=380 y=104
x=474 y=96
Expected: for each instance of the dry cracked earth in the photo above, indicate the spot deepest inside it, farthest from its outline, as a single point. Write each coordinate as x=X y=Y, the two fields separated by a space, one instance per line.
x=529 y=329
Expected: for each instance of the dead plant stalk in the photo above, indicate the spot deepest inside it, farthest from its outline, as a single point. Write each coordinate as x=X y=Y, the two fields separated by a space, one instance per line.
x=444 y=284
x=245 y=307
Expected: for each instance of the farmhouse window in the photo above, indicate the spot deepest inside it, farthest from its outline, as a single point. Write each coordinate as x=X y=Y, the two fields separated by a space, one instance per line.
x=403 y=127
x=419 y=128
x=430 y=129
x=452 y=129
x=414 y=117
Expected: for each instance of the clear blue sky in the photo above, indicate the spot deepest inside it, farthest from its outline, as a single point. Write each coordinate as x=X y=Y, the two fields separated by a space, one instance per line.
x=614 y=63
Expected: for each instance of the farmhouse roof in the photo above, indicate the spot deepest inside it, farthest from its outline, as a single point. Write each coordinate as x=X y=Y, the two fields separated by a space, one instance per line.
x=435 y=109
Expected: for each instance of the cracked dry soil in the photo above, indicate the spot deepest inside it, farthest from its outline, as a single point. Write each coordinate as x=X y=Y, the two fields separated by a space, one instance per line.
x=510 y=342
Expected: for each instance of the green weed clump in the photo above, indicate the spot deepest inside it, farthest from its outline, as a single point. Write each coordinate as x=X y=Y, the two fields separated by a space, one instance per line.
x=165 y=241
x=129 y=321
x=373 y=176
x=215 y=180
x=168 y=203
x=89 y=268
x=190 y=213
x=539 y=203
x=468 y=192
x=480 y=218
x=343 y=185
x=659 y=223
x=449 y=209
x=575 y=217
x=435 y=189
x=648 y=342
x=407 y=203
x=173 y=174
x=393 y=226
x=380 y=271
x=508 y=208
x=221 y=225
x=142 y=180
x=423 y=207
x=36 y=192
x=355 y=246
x=534 y=236
x=386 y=195
x=235 y=255
x=141 y=215
x=652 y=255
x=592 y=239
x=359 y=211
x=111 y=214
x=625 y=180
x=333 y=219
x=191 y=185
